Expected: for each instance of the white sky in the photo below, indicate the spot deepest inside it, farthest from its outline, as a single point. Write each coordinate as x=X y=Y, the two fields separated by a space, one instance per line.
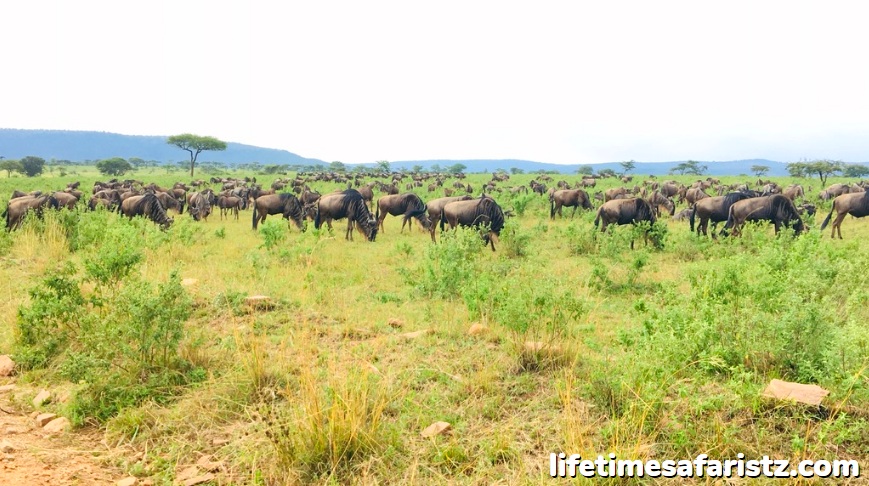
x=360 y=81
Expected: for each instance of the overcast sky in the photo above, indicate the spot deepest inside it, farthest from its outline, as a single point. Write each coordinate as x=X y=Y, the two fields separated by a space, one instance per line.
x=359 y=81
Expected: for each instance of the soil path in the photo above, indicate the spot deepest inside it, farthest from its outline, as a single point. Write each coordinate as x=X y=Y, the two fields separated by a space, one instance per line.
x=31 y=457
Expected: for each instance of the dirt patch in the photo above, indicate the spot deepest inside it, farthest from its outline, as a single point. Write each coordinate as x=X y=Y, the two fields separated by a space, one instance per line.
x=34 y=457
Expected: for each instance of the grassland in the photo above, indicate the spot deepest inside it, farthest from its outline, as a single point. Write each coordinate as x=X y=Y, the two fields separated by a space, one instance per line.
x=646 y=353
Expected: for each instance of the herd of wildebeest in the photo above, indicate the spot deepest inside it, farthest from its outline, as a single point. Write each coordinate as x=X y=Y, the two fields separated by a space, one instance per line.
x=707 y=201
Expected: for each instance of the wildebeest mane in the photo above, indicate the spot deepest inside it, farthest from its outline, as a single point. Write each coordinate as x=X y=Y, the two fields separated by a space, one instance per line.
x=150 y=207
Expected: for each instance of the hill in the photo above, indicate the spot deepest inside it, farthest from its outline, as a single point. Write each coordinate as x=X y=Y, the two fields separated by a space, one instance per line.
x=86 y=145
x=83 y=145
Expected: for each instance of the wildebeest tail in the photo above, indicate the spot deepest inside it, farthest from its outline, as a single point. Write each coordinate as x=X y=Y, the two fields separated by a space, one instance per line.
x=691 y=218
x=443 y=219
x=827 y=219
x=317 y=220
x=597 y=217
x=254 y=221
x=551 y=206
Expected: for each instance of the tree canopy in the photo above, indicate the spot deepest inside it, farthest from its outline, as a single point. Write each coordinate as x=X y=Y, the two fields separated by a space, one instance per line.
x=11 y=166
x=457 y=168
x=585 y=170
x=195 y=144
x=759 y=170
x=690 y=167
x=823 y=168
x=115 y=166
x=855 y=170
x=32 y=166
x=628 y=166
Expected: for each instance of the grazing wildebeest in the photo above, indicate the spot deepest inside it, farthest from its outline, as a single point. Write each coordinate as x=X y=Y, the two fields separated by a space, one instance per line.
x=65 y=199
x=199 y=204
x=148 y=206
x=694 y=194
x=227 y=204
x=475 y=213
x=715 y=209
x=683 y=214
x=436 y=207
x=408 y=204
x=614 y=193
x=793 y=191
x=287 y=205
x=834 y=191
x=625 y=211
x=574 y=198
x=856 y=204
x=776 y=209
x=346 y=204
x=18 y=207
x=657 y=200
x=168 y=201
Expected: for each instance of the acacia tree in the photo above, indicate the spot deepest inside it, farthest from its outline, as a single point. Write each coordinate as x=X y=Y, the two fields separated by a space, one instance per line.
x=11 y=166
x=195 y=144
x=32 y=166
x=759 y=170
x=115 y=166
x=628 y=166
x=690 y=167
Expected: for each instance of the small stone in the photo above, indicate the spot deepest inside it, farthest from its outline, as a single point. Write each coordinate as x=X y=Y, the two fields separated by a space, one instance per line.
x=188 y=473
x=7 y=388
x=6 y=447
x=44 y=418
x=59 y=424
x=7 y=366
x=262 y=302
x=798 y=392
x=395 y=323
x=130 y=481
x=477 y=329
x=436 y=428
x=17 y=429
x=207 y=464
x=415 y=334
x=187 y=282
x=199 y=479
x=42 y=398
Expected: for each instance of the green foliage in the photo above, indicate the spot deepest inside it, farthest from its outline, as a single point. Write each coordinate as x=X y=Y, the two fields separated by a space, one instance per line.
x=447 y=266
x=515 y=240
x=521 y=201
x=456 y=168
x=273 y=232
x=690 y=167
x=115 y=166
x=32 y=166
x=11 y=166
x=759 y=170
x=119 y=357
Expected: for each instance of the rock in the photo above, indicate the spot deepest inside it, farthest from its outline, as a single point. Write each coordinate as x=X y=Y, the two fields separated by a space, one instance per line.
x=261 y=302
x=6 y=447
x=477 y=329
x=17 y=429
x=207 y=464
x=7 y=388
x=44 y=418
x=42 y=398
x=59 y=424
x=7 y=366
x=395 y=323
x=130 y=481
x=199 y=479
x=187 y=282
x=437 y=428
x=786 y=390
x=187 y=473
x=415 y=334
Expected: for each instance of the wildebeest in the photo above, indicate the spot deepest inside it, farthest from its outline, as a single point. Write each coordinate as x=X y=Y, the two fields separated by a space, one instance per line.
x=287 y=205
x=776 y=209
x=227 y=204
x=794 y=191
x=168 y=201
x=199 y=204
x=625 y=211
x=856 y=204
x=346 y=204
x=715 y=209
x=408 y=205
x=657 y=200
x=475 y=213
x=148 y=206
x=436 y=207
x=20 y=206
x=834 y=191
x=574 y=198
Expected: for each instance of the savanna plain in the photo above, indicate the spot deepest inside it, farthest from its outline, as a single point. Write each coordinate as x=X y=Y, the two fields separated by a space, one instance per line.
x=583 y=345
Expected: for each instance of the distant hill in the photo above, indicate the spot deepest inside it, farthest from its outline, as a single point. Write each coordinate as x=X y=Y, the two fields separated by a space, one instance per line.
x=734 y=167
x=82 y=145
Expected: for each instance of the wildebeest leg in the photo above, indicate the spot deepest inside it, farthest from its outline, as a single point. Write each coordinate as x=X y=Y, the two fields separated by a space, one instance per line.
x=573 y=214
x=349 y=235
x=837 y=224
